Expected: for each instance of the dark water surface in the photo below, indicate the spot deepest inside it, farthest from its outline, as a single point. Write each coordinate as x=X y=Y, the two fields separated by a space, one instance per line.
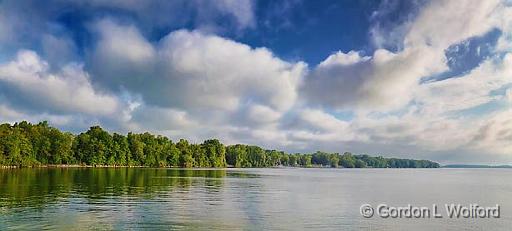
x=244 y=199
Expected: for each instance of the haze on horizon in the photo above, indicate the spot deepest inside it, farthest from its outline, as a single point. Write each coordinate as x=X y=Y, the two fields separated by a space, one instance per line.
x=415 y=79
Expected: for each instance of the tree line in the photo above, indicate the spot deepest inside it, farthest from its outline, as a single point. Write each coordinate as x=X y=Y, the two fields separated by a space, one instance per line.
x=26 y=144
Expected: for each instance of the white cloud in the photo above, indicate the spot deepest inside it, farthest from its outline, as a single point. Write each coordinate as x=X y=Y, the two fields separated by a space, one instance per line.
x=508 y=95
x=468 y=91
x=494 y=133
x=163 y=119
x=8 y=114
x=210 y=71
x=340 y=58
x=207 y=77
x=442 y=23
x=262 y=114
x=320 y=120
x=69 y=90
x=386 y=81
x=122 y=42
x=382 y=82
x=11 y=115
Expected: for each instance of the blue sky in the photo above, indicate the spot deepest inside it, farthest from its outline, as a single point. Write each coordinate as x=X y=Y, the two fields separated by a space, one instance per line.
x=420 y=79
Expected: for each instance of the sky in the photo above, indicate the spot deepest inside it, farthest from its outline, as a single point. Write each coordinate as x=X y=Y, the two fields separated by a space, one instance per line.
x=423 y=79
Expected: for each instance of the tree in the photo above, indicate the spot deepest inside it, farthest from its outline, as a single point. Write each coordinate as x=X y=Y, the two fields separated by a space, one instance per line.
x=256 y=157
x=347 y=160
x=216 y=153
x=26 y=144
x=173 y=155
x=305 y=160
x=121 y=150
x=274 y=158
x=360 y=164
x=236 y=155
x=186 y=160
x=136 y=148
x=334 y=159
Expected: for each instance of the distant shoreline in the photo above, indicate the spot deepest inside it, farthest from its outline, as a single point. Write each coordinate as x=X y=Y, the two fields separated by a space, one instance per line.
x=31 y=145
x=75 y=166
x=475 y=166
x=178 y=167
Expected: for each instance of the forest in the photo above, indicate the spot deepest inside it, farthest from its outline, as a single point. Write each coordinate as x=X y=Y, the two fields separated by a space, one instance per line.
x=24 y=144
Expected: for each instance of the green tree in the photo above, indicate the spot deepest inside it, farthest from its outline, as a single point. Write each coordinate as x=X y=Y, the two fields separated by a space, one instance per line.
x=216 y=153
x=347 y=160
x=186 y=160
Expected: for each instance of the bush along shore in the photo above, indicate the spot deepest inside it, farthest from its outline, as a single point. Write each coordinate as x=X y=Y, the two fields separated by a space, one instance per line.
x=38 y=145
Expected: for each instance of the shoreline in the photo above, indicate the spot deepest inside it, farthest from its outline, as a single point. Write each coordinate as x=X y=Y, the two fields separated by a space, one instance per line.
x=177 y=167
x=73 y=166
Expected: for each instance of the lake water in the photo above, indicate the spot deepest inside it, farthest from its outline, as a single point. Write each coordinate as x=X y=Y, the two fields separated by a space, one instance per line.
x=245 y=199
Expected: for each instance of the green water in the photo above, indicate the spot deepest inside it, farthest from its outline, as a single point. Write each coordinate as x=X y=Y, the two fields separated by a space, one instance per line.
x=243 y=199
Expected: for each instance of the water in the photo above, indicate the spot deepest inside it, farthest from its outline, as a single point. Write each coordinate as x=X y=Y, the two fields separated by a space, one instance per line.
x=244 y=199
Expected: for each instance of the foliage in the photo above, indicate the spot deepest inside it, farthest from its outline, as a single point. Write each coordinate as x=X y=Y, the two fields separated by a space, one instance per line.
x=26 y=144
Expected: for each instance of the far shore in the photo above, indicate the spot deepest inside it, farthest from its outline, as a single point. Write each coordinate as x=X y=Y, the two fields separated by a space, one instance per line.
x=175 y=167
x=77 y=166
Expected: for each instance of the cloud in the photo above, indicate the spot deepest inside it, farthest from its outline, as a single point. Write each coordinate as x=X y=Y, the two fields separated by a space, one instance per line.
x=115 y=40
x=508 y=95
x=191 y=70
x=387 y=80
x=227 y=73
x=156 y=118
x=262 y=114
x=342 y=59
x=28 y=82
x=495 y=133
x=381 y=82
x=468 y=91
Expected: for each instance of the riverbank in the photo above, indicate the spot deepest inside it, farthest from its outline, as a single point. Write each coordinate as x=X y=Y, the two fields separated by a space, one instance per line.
x=178 y=167
x=76 y=166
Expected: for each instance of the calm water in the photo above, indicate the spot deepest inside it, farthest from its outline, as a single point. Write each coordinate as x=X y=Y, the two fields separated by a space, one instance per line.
x=244 y=199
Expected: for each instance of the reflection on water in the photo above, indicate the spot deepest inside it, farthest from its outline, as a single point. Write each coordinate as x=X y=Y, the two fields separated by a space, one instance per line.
x=233 y=199
x=39 y=186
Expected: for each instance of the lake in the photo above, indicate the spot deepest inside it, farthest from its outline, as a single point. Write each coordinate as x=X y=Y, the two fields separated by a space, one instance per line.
x=245 y=199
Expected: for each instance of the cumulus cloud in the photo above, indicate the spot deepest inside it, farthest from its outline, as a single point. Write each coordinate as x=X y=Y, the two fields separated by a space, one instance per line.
x=386 y=80
x=220 y=73
x=192 y=71
x=30 y=83
x=468 y=91
x=381 y=82
x=495 y=133
x=156 y=118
